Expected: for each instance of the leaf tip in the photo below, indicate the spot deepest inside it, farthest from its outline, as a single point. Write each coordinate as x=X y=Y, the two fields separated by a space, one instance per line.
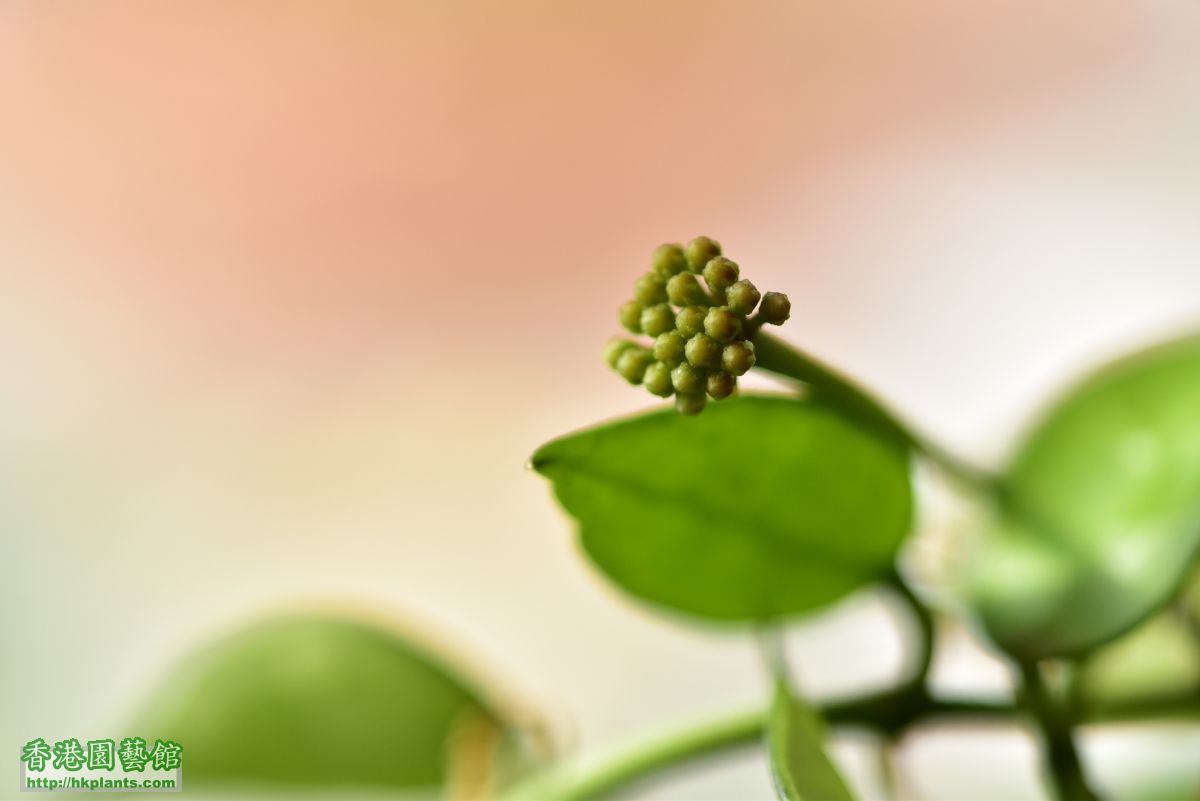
x=540 y=460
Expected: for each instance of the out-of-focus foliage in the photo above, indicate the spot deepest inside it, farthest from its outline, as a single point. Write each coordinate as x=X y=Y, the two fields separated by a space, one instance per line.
x=1189 y=603
x=323 y=702
x=758 y=508
x=1100 y=511
x=800 y=768
x=1159 y=659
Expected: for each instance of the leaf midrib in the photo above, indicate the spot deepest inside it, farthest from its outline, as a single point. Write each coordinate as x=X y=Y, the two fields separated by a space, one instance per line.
x=777 y=536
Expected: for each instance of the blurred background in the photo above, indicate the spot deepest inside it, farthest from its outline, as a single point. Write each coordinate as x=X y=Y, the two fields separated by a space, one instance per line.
x=290 y=291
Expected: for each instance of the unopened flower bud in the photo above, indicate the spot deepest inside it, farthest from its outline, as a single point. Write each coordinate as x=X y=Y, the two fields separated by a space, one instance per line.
x=742 y=297
x=690 y=404
x=775 y=308
x=669 y=260
x=632 y=364
x=690 y=321
x=722 y=325
x=657 y=319
x=630 y=315
x=685 y=290
x=687 y=379
x=699 y=351
x=658 y=380
x=720 y=385
x=703 y=351
x=720 y=272
x=616 y=346
x=738 y=357
x=668 y=348
x=650 y=289
x=700 y=251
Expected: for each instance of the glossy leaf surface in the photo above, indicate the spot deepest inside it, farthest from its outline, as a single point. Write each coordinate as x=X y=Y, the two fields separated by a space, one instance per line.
x=1103 y=509
x=758 y=508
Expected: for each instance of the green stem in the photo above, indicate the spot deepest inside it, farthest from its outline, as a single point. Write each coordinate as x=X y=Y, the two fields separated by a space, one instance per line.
x=771 y=646
x=888 y=774
x=674 y=750
x=776 y=356
x=925 y=625
x=1055 y=724
x=890 y=713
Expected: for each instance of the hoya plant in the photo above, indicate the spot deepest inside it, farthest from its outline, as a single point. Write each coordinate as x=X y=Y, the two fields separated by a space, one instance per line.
x=755 y=511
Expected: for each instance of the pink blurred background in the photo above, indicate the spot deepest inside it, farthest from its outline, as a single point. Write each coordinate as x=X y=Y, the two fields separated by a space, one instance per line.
x=289 y=291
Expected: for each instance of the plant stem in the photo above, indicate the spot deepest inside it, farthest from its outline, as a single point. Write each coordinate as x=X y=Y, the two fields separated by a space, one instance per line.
x=774 y=655
x=925 y=624
x=776 y=356
x=887 y=712
x=1055 y=724
x=656 y=758
x=888 y=775
x=890 y=713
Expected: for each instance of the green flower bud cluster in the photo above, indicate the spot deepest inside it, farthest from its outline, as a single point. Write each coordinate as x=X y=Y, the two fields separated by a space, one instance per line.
x=700 y=314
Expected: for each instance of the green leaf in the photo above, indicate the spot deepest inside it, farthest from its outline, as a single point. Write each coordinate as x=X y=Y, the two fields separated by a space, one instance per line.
x=1103 y=508
x=800 y=768
x=1190 y=603
x=759 y=507
x=1158 y=659
x=321 y=702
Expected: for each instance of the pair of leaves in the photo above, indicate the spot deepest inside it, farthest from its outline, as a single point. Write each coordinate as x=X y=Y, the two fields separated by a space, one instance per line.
x=759 y=508
x=324 y=702
x=1101 y=518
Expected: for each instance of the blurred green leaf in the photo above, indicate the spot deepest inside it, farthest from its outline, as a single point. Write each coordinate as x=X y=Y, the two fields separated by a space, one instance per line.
x=800 y=768
x=1190 y=604
x=1183 y=787
x=1103 y=508
x=1159 y=659
x=757 y=508
x=325 y=703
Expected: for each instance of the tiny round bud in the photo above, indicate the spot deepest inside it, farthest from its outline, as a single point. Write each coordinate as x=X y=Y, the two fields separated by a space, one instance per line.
x=685 y=290
x=650 y=289
x=700 y=251
x=691 y=403
x=722 y=325
x=742 y=297
x=690 y=321
x=720 y=272
x=657 y=319
x=703 y=351
x=738 y=357
x=720 y=385
x=668 y=348
x=776 y=308
x=687 y=379
x=658 y=380
x=615 y=347
x=630 y=315
x=632 y=364
x=669 y=260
